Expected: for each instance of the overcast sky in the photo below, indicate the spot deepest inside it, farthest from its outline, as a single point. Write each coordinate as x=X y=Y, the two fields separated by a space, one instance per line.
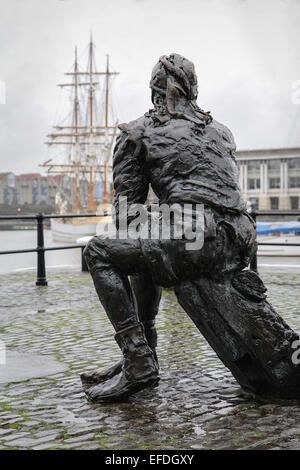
x=246 y=54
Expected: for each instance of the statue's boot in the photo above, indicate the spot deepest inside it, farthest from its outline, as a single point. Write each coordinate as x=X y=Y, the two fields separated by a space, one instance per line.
x=245 y=331
x=139 y=368
x=102 y=374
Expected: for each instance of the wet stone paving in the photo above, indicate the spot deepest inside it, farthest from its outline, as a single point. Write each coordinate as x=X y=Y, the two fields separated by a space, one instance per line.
x=197 y=404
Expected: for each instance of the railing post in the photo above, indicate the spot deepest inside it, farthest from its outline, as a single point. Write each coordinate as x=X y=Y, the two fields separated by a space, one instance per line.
x=41 y=267
x=253 y=263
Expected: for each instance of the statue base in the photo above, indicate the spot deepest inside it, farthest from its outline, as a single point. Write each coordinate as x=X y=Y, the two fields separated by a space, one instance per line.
x=247 y=334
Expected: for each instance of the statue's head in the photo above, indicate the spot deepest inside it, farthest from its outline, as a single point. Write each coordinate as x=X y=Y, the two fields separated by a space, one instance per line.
x=174 y=72
x=174 y=89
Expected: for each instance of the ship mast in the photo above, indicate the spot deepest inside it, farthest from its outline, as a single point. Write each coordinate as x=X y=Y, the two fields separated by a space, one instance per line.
x=85 y=136
x=106 y=90
x=77 y=150
x=92 y=155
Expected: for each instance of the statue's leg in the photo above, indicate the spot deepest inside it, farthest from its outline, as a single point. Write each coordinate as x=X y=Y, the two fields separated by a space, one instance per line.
x=110 y=262
x=147 y=297
x=250 y=338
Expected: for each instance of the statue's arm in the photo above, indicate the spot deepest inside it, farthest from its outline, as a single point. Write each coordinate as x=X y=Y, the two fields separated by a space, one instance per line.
x=128 y=174
x=228 y=136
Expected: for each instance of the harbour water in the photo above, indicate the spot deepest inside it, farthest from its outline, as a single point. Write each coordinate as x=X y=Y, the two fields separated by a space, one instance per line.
x=24 y=239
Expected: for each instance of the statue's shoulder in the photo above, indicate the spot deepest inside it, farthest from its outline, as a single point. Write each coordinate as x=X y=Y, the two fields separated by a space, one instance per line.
x=129 y=141
x=223 y=132
x=134 y=129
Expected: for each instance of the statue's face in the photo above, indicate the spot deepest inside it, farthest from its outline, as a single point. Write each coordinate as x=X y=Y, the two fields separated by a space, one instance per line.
x=159 y=77
x=158 y=85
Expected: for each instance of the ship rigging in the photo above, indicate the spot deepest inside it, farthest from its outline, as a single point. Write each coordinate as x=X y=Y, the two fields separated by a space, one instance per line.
x=89 y=137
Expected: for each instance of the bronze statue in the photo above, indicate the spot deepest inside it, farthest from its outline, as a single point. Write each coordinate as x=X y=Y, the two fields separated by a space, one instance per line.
x=188 y=158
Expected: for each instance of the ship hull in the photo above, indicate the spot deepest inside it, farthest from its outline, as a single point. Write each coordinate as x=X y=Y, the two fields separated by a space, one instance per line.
x=70 y=232
x=280 y=250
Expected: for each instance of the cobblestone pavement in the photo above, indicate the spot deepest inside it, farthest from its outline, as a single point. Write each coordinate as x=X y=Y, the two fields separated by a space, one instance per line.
x=197 y=404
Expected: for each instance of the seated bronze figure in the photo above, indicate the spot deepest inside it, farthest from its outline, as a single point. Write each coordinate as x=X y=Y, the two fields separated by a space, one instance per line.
x=187 y=158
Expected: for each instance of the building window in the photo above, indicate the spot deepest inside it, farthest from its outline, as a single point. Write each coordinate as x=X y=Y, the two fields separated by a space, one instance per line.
x=44 y=188
x=6 y=196
x=274 y=203
x=274 y=183
x=253 y=183
x=254 y=201
x=15 y=196
x=294 y=182
x=273 y=164
x=294 y=202
x=11 y=180
x=254 y=165
x=294 y=163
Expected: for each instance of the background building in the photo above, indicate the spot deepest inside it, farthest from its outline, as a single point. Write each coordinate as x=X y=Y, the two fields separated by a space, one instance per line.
x=270 y=178
x=33 y=189
x=8 y=190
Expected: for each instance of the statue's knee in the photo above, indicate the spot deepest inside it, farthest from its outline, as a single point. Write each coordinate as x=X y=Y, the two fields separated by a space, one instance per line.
x=95 y=254
x=88 y=250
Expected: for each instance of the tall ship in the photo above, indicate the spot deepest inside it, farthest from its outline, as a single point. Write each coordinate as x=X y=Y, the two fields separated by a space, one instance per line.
x=80 y=149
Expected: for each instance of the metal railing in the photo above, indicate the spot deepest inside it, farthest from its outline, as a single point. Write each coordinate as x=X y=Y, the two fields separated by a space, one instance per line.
x=41 y=279
x=41 y=249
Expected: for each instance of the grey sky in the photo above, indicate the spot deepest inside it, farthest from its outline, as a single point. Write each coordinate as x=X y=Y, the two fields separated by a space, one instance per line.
x=246 y=54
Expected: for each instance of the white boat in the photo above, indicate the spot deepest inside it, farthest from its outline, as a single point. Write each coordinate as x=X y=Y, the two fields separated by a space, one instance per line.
x=282 y=235
x=63 y=230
